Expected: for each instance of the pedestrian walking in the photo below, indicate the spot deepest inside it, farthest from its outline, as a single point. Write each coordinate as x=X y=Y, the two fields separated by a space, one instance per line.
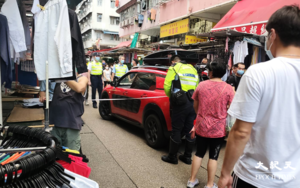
x=211 y=100
x=95 y=71
x=180 y=83
x=263 y=146
x=234 y=80
x=119 y=69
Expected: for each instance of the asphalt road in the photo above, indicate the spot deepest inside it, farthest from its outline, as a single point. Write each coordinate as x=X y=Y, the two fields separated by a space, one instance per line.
x=120 y=157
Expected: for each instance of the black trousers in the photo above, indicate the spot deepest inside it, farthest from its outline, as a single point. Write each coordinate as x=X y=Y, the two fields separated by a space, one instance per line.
x=182 y=121
x=238 y=183
x=96 y=85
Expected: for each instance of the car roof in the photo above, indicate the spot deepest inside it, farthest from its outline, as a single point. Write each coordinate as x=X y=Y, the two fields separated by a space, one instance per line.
x=148 y=68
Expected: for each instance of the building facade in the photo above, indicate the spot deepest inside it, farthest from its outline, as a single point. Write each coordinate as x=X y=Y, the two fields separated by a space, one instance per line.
x=152 y=17
x=99 y=24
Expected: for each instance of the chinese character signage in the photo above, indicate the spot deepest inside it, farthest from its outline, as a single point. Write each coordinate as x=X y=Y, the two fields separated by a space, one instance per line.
x=189 y=39
x=175 y=28
x=256 y=29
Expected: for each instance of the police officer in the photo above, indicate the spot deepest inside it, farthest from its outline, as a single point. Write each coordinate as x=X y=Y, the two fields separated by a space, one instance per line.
x=95 y=70
x=119 y=69
x=183 y=115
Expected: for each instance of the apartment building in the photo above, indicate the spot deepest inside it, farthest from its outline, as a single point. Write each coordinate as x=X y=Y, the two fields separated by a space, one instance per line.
x=99 y=24
x=172 y=21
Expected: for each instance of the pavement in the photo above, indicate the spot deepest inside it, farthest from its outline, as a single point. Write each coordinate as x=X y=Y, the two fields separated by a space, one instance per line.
x=120 y=157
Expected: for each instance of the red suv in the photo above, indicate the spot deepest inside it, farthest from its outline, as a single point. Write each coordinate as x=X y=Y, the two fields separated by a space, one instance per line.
x=152 y=113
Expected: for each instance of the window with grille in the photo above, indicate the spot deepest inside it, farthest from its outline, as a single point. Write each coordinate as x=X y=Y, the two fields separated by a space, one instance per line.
x=99 y=2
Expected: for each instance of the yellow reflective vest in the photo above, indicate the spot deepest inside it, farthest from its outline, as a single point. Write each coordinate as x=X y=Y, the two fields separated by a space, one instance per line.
x=188 y=77
x=97 y=68
x=120 y=70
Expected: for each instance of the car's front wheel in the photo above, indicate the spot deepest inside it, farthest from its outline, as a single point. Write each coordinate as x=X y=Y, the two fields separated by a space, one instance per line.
x=104 y=109
x=153 y=131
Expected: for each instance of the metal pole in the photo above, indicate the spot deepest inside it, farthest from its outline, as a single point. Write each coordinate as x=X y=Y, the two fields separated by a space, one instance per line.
x=1 y=114
x=47 y=98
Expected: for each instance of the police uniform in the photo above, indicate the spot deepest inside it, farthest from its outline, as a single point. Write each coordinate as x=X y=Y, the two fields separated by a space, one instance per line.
x=96 y=69
x=119 y=71
x=182 y=116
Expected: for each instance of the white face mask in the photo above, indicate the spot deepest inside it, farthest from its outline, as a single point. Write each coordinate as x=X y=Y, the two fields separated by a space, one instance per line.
x=268 y=52
x=106 y=67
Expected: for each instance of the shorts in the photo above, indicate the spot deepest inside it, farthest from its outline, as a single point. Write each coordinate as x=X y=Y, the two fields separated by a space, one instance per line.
x=67 y=137
x=238 y=183
x=214 y=145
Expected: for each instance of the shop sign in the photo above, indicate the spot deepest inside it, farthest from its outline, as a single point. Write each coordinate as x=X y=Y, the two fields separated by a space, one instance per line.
x=175 y=28
x=256 y=29
x=189 y=39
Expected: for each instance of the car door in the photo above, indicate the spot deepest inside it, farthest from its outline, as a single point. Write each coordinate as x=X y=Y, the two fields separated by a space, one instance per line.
x=143 y=86
x=120 y=93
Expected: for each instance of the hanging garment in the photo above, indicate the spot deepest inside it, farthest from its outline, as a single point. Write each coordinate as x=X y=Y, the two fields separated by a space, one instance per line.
x=141 y=19
x=117 y=3
x=6 y=72
x=10 y=9
x=25 y=24
x=226 y=45
x=248 y=58
x=53 y=41
x=27 y=66
x=77 y=45
x=230 y=61
x=240 y=51
x=153 y=14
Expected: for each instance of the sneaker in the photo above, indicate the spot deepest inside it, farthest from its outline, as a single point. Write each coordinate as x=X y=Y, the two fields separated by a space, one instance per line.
x=214 y=186
x=192 y=184
x=86 y=103
x=95 y=105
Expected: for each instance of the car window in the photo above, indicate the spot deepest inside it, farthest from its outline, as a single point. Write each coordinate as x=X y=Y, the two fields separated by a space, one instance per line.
x=127 y=80
x=144 y=81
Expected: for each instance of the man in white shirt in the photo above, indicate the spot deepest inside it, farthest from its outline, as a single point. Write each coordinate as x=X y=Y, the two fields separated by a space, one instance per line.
x=263 y=147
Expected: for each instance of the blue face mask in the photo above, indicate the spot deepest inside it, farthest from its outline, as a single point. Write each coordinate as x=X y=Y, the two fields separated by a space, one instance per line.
x=122 y=61
x=103 y=63
x=97 y=58
x=268 y=52
x=240 y=72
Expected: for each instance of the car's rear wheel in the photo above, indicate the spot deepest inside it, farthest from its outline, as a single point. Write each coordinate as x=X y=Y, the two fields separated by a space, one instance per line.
x=104 y=109
x=153 y=131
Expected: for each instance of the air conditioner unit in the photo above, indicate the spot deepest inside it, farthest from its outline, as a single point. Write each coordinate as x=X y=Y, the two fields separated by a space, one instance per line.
x=127 y=22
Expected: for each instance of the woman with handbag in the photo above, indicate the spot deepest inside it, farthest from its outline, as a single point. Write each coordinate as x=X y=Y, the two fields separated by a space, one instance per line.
x=211 y=101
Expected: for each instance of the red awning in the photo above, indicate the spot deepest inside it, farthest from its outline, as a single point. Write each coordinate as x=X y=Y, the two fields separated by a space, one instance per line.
x=124 y=44
x=105 y=50
x=251 y=16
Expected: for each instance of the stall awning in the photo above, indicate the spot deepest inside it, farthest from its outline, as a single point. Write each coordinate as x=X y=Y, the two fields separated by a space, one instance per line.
x=111 y=32
x=251 y=16
x=124 y=44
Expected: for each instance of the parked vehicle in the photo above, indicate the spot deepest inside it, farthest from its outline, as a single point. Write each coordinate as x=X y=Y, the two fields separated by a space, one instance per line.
x=152 y=114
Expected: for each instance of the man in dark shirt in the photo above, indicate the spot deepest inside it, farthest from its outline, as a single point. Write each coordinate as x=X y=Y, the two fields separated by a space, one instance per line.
x=234 y=80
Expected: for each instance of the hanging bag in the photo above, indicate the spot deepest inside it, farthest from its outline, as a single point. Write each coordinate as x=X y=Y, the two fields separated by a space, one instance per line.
x=178 y=96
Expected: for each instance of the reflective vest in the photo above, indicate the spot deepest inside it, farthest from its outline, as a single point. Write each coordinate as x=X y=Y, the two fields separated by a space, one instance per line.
x=96 y=68
x=120 y=70
x=188 y=77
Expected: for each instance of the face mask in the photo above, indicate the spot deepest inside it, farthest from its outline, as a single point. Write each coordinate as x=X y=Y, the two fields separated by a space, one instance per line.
x=131 y=64
x=268 y=52
x=122 y=61
x=240 y=72
x=97 y=58
x=106 y=68
x=103 y=63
